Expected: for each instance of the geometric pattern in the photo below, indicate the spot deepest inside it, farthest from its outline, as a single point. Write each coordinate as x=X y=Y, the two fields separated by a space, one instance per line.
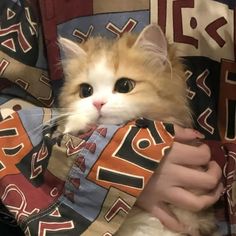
x=28 y=187
x=47 y=185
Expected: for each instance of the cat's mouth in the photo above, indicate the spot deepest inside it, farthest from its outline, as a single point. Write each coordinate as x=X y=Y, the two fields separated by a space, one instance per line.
x=111 y=120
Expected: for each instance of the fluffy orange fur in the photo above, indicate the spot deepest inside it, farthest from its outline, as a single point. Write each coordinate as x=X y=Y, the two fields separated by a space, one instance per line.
x=161 y=93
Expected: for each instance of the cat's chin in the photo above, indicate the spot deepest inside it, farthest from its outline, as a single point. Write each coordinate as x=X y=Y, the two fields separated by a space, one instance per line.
x=110 y=121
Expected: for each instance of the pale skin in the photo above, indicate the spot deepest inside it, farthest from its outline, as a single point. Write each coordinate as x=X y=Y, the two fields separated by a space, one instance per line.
x=180 y=172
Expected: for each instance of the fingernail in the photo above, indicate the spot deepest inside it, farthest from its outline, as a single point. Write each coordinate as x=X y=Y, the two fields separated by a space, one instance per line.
x=198 y=134
x=223 y=192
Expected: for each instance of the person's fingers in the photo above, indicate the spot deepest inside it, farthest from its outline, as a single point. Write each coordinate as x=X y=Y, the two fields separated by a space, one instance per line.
x=186 y=134
x=214 y=170
x=189 y=155
x=167 y=218
x=195 y=179
x=184 y=199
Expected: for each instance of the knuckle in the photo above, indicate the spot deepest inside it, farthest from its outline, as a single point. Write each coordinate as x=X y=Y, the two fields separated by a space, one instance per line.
x=212 y=182
x=218 y=171
x=206 y=152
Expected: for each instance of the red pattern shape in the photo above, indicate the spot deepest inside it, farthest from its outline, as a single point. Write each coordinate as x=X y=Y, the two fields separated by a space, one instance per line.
x=178 y=23
x=17 y=28
x=83 y=36
x=3 y=65
x=201 y=82
x=128 y=27
x=72 y=148
x=45 y=227
x=202 y=121
x=119 y=205
x=212 y=28
x=80 y=162
x=37 y=157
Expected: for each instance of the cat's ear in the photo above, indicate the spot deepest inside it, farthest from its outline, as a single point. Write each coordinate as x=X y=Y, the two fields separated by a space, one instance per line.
x=70 y=49
x=153 y=41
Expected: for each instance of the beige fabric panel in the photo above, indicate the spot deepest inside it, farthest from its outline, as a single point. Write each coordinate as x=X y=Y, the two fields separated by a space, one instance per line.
x=114 y=210
x=35 y=81
x=60 y=163
x=104 y=6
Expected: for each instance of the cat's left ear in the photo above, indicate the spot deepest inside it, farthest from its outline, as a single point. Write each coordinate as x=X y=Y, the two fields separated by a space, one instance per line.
x=70 y=49
x=153 y=41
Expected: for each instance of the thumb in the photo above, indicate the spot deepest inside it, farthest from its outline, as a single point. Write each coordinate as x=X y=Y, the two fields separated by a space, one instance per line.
x=186 y=134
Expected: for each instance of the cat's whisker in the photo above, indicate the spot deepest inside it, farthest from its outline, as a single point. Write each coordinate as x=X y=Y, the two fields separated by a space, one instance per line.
x=48 y=124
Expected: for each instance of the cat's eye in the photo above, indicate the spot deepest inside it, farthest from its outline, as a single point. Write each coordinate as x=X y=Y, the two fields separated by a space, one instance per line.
x=85 y=90
x=124 y=85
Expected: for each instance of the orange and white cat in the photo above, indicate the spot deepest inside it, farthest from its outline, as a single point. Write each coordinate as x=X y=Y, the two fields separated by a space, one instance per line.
x=114 y=81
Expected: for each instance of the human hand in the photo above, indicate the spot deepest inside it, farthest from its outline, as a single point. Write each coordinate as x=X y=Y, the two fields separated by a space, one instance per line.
x=185 y=178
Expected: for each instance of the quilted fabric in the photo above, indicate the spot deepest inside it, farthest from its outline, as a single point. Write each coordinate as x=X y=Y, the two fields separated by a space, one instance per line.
x=75 y=184
x=64 y=186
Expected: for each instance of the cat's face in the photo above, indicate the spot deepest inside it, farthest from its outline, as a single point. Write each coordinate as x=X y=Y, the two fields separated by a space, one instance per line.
x=111 y=83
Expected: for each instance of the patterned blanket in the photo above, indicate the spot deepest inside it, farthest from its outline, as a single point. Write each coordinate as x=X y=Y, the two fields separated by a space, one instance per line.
x=86 y=184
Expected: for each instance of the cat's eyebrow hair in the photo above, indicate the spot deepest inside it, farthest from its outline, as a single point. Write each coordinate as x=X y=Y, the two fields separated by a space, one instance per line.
x=125 y=77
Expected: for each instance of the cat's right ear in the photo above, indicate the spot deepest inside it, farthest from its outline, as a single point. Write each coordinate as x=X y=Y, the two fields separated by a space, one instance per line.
x=70 y=49
x=153 y=41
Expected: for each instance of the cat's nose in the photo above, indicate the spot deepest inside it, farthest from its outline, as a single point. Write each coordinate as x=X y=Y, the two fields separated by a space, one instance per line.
x=98 y=104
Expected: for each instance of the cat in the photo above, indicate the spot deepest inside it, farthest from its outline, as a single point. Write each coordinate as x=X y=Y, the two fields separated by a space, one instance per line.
x=112 y=81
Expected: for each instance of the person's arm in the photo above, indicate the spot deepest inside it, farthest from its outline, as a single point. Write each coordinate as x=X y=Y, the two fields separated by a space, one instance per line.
x=179 y=173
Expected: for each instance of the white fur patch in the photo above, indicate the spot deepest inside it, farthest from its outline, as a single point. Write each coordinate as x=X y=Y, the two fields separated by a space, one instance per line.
x=101 y=74
x=102 y=79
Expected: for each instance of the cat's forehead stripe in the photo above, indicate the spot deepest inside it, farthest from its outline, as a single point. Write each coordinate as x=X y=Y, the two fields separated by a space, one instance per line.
x=101 y=70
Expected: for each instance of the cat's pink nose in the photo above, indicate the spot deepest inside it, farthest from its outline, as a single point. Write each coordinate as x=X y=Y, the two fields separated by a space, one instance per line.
x=98 y=104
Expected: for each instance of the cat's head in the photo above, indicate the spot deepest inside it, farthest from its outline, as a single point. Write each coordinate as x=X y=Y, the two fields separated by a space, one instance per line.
x=113 y=81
